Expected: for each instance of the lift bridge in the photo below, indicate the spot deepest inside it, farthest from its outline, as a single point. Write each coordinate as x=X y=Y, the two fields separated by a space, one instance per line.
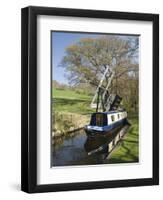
x=103 y=99
x=106 y=101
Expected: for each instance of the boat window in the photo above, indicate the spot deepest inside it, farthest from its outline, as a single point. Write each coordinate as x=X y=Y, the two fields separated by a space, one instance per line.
x=118 y=116
x=112 y=118
x=99 y=120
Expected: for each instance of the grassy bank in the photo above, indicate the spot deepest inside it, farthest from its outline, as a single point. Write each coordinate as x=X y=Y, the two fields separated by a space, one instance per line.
x=70 y=101
x=68 y=94
x=70 y=111
x=64 y=123
x=128 y=149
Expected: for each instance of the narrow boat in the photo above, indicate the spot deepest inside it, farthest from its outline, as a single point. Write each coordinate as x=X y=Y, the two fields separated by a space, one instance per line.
x=106 y=123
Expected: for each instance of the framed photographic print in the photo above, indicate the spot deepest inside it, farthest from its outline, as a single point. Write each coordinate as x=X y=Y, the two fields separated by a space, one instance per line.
x=90 y=99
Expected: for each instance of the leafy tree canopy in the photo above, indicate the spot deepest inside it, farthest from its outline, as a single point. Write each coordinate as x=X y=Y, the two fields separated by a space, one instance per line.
x=86 y=60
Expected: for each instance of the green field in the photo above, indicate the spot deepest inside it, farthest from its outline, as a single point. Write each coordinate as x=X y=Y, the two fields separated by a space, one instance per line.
x=71 y=101
x=128 y=149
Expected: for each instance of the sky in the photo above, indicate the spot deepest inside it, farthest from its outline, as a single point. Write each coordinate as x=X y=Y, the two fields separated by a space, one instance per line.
x=61 y=40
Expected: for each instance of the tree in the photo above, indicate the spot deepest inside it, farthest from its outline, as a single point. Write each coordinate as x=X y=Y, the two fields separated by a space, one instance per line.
x=86 y=60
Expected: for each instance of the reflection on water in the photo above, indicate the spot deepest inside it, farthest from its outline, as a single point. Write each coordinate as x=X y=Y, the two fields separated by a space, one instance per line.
x=69 y=150
x=74 y=151
x=78 y=149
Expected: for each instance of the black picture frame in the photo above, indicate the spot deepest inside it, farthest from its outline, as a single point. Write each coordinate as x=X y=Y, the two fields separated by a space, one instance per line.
x=29 y=99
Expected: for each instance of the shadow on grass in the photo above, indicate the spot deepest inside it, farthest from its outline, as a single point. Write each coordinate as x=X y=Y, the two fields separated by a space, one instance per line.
x=129 y=155
x=127 y=150
x=78 y=106
x=121 y=160
x=132 y=132
x=63 y=101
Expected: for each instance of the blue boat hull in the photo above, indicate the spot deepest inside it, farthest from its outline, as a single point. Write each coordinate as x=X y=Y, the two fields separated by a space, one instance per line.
x=105 y=130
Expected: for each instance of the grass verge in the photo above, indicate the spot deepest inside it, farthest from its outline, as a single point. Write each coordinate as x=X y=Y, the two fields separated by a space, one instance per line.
x=128 y=149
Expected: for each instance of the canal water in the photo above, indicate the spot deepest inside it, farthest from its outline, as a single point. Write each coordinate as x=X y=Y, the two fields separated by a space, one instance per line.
x=74 y=150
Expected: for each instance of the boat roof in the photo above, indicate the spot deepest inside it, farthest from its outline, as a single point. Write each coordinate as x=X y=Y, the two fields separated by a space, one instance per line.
x=111 y=112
